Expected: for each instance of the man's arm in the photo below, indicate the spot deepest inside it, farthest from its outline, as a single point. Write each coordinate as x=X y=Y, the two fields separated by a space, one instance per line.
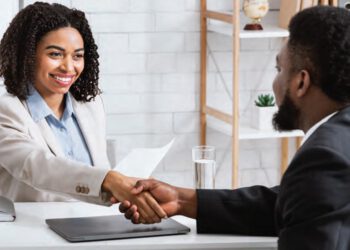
x=241 y=211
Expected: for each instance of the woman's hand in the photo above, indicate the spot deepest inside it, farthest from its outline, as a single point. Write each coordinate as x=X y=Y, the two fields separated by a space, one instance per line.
x=120 y=187
x=172 y=199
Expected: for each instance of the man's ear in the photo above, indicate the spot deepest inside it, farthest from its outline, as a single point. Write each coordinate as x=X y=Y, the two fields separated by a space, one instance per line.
x=303 y=84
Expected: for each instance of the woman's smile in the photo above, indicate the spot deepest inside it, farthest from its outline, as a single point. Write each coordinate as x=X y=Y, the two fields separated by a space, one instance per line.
x=63 y=79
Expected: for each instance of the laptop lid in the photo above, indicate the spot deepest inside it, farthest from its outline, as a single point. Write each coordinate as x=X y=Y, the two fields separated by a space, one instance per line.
x=111 y=227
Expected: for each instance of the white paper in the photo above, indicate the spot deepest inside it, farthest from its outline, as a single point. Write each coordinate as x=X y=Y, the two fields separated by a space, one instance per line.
x=141 y=162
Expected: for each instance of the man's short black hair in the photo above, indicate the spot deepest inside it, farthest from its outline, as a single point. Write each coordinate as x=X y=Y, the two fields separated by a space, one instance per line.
x=320 y=43
x=19 y=43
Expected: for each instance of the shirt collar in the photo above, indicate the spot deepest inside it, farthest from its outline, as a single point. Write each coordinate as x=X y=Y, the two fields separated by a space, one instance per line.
x=316 y=126
x=39 y=109
x=68 y=111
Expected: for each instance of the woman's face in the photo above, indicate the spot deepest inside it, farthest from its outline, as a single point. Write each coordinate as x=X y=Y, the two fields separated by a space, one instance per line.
x=59 y=62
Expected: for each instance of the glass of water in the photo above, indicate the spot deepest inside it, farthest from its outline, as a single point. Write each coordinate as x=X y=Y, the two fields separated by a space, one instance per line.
x=204 y=166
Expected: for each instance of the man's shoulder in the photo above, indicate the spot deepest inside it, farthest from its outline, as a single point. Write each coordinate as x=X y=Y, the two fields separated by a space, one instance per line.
x=341 y=116
x=328 y=146
x=334 y=134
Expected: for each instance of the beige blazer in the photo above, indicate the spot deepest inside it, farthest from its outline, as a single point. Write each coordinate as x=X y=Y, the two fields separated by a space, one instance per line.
x=33 y=166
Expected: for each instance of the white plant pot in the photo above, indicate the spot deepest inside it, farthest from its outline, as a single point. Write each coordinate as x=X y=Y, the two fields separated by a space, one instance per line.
x=262 y=117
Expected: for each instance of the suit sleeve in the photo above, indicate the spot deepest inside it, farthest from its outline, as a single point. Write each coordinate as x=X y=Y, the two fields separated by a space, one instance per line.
x=26 y=160
x=315 y=202
x=242 y=211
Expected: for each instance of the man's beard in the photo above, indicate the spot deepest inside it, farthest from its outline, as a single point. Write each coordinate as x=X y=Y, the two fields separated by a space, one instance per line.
x=287 y=116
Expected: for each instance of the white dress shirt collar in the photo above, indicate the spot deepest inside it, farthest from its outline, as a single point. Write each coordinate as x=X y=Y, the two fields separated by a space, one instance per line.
x=316 y=126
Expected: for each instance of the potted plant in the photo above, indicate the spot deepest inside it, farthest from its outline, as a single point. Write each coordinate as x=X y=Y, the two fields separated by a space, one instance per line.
x=264 y=110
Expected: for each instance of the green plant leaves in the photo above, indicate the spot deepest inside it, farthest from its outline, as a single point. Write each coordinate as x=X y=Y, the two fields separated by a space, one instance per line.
x=265 y=101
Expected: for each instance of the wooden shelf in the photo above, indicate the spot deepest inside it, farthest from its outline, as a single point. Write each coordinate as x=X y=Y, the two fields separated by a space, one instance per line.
x=268 y=32
x=249 y=133
x=225 y=23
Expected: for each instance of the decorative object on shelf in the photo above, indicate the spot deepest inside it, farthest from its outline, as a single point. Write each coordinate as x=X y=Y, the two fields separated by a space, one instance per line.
x=344 y=4
x=255 y=9
x=264 y=110
x=265 y=101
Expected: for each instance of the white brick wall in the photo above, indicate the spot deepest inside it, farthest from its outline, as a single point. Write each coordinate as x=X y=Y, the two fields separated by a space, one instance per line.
x=124 y=63
x=112 y=44
x=7 y=11
x=121 y=22
x=186 y=122
x=157 y=5
x=177 y=21
x=161 y=63
x=140 y=124
x=100 y=7
x=157 y=42
x=192 y=42
x=149 y=56
x=180 y=83
x=171 y=102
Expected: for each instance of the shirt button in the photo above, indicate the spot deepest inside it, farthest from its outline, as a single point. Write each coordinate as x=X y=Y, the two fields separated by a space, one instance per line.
x=70 y=153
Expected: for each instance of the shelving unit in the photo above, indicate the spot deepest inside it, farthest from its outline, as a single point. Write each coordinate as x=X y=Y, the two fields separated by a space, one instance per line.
x=249 y=133
x=268 y=32
x=217 y=119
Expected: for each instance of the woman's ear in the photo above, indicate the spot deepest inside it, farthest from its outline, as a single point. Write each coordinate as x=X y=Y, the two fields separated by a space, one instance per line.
x=304 y=83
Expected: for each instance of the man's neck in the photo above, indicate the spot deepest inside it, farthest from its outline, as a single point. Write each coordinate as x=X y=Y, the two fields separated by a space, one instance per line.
x=315 y=113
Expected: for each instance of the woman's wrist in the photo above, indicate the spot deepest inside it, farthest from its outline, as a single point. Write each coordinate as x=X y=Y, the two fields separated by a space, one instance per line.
x=112 y=178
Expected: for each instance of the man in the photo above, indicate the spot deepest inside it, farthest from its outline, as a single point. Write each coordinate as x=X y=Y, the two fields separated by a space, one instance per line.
x=311 y=207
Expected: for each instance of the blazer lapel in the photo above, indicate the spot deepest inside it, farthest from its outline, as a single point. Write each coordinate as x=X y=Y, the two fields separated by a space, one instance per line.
x=85 y=120
x=44 y=129
x=50 y=138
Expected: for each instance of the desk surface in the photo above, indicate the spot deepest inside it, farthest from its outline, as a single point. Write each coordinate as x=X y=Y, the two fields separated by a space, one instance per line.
x=30 y=231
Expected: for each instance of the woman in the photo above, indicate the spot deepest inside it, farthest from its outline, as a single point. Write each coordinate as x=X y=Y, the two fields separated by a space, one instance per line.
x=52 y=121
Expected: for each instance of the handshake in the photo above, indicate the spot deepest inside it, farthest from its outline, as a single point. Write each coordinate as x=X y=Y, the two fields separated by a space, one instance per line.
x=149 y=201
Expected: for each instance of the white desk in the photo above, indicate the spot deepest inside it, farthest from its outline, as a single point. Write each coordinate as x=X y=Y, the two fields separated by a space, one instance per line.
x=29 y=231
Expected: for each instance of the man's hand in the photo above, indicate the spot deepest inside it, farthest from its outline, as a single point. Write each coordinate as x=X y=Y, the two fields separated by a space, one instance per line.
x=120 y=187
x=173 y=200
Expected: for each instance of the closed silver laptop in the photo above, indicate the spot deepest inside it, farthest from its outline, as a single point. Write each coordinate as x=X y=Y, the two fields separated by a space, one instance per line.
x=111 y=227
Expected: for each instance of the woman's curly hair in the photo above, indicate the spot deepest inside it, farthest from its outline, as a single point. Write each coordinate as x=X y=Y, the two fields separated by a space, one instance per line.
x=19 y=43
x=320 y=43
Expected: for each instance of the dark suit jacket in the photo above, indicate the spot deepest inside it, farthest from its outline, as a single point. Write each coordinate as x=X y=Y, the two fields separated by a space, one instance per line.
x=311 y=207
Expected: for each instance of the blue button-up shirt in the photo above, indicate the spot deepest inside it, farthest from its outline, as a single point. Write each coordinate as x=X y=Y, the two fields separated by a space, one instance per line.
x=66 y=130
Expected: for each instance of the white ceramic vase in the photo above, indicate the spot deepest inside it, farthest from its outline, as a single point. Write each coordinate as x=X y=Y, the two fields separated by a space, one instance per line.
x=262 y=117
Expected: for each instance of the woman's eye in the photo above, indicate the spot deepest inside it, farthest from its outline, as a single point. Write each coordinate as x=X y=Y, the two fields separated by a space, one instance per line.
x=78 y=56
x=55 y=54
